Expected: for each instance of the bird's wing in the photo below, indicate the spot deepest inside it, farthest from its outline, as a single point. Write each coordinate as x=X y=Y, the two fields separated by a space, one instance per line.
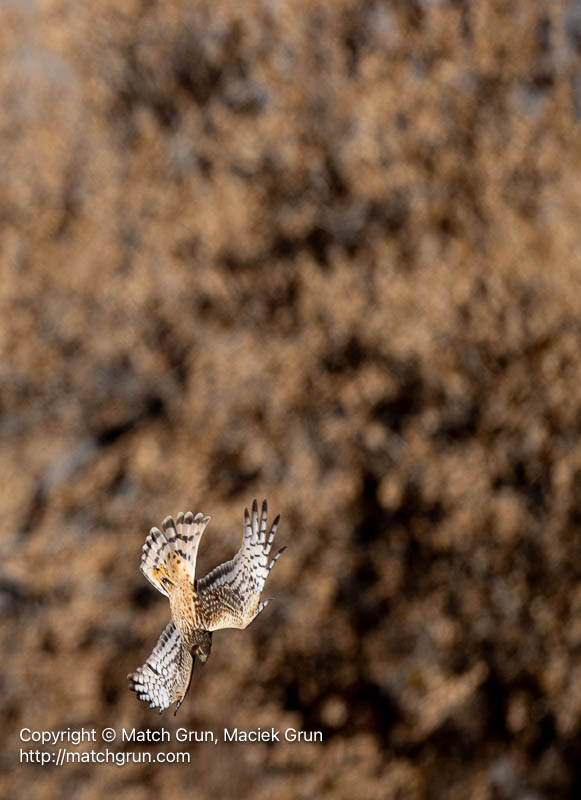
x=171 y=554
x=230 y=593
x=165 y=677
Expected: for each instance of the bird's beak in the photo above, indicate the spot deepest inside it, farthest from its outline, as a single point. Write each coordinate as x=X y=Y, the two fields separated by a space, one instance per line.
x=203 y=659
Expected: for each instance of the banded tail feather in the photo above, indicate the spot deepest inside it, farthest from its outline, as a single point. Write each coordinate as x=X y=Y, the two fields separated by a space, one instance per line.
x=171 y=554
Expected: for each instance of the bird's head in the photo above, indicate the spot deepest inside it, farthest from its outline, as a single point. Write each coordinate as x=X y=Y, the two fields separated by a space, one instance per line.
x=203 y=646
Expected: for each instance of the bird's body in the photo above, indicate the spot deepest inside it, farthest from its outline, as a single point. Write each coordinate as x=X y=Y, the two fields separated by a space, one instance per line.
x=228 y=597
x=187 y=613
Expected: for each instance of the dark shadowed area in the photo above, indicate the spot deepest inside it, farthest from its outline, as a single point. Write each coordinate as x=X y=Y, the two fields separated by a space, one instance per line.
x=326 y=253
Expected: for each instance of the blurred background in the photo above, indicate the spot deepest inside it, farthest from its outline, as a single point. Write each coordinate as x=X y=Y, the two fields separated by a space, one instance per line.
x=326 y=253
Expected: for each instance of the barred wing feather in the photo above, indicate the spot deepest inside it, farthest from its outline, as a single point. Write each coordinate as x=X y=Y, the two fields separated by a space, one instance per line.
x=165 y=677
x=230 y=593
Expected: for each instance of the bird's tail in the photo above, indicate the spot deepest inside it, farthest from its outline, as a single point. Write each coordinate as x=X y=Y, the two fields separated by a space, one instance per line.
x=170 y=555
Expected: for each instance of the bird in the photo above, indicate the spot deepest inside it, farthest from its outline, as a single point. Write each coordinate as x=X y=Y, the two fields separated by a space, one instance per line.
x=229 y=596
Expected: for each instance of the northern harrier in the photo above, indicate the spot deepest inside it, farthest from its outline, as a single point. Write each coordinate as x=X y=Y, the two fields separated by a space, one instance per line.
x=227 y=597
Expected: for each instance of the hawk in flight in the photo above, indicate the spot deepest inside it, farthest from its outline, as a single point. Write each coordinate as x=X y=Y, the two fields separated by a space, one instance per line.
x=227 y=597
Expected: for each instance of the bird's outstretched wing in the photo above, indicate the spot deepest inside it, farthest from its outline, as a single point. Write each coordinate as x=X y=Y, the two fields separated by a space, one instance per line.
x=165 y=677
x=172 y=554
x=230 y=593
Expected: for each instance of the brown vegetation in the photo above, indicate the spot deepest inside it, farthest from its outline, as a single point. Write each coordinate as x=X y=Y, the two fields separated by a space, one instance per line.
x=326 y=253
